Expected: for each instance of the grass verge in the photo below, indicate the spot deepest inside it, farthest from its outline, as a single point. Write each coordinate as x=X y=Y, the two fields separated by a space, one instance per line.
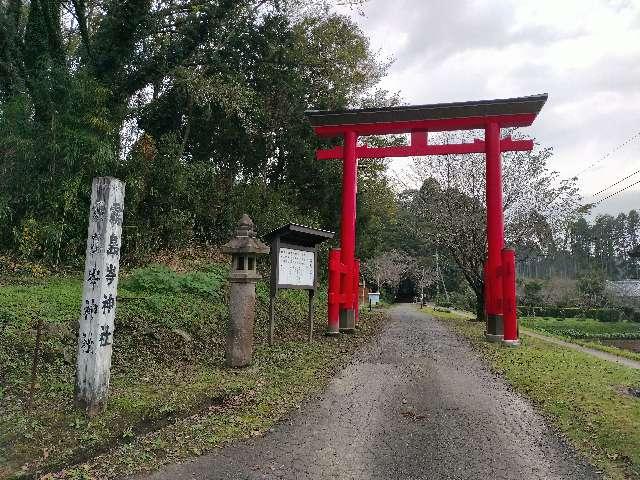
x=171 y=396
x=586 y=398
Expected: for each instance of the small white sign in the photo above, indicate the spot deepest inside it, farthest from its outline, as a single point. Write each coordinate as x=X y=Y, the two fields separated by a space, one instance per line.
x=296 y=267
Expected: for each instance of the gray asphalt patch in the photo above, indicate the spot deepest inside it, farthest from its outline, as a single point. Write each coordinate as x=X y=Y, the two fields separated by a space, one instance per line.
x=416 y=403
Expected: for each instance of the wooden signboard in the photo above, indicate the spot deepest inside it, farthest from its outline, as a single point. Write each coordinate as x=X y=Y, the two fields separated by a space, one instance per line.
x=294 y=264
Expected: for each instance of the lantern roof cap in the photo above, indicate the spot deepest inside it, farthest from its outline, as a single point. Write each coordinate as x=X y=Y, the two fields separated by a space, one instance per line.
x=245 y=239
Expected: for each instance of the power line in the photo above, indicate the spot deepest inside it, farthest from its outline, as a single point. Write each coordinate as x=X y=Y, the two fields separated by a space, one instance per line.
x=604 y=157
x=615 y=193
x=614 y=184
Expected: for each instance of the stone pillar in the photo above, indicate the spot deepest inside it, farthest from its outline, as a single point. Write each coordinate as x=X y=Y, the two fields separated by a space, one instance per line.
x=98 y=309
x=242 y=307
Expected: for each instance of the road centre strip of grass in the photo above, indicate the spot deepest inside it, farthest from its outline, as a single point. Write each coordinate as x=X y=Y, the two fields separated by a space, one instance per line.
x=586 y=398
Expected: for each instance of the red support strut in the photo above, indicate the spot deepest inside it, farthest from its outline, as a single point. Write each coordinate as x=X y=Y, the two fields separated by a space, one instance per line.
x=509 y=295
x=356 y=289
x=333 y=295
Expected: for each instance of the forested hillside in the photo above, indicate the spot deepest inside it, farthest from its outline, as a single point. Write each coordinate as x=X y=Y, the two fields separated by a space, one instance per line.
x=607 y=244
x=197 y=105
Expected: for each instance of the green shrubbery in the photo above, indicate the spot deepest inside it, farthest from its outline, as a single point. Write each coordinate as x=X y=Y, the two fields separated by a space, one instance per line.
x=582 y=298
x=465 y=300
x=161 y=279
x=601 y=314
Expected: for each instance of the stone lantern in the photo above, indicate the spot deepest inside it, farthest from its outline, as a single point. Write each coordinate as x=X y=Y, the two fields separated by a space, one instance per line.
x=244 y=248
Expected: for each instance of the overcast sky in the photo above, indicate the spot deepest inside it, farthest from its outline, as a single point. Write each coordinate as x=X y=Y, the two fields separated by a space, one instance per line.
x=584 y=53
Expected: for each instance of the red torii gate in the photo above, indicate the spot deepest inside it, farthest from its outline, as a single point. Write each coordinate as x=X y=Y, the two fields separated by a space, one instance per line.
x=490 y=115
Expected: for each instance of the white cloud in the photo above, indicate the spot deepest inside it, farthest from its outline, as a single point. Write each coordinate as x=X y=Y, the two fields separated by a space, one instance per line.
x=584 y=53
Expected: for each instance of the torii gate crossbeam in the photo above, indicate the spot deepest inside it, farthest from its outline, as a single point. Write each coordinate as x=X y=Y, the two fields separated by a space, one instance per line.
x=488 y=115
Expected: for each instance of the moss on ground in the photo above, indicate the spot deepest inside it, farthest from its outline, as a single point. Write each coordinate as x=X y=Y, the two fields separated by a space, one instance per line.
x=171 y=396
x=586 y=398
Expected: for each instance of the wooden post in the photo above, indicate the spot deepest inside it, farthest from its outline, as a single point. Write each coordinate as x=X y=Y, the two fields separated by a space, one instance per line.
x=98 y=309
x=311 y=308
x=272 y=302
x=34 y=363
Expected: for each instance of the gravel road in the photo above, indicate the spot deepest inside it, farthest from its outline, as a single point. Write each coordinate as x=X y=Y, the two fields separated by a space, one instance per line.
x=416 y=403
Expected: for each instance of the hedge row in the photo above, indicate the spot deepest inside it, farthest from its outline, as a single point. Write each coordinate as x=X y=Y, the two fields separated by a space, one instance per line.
x=601 y=314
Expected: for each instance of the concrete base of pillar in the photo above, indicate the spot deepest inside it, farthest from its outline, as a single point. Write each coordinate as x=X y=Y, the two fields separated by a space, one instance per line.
x=495 y=324
x=493 y=338
x=511 y=343
x=347 y=321
x=332 y=333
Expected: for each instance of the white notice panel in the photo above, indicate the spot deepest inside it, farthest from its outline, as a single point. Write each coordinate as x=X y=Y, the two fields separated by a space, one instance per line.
x=296 y=267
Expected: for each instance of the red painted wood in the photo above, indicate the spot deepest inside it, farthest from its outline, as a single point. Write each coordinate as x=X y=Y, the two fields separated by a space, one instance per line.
x=419 y=139
x=356 y=288
x=348 y=218
x=509 y=293
x=440 y=125
x=333 y=303
x=478 y=146
x=499 y=283
x=495 y=227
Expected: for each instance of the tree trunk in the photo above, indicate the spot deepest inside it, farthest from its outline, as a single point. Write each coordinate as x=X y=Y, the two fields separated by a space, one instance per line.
x=480 y=313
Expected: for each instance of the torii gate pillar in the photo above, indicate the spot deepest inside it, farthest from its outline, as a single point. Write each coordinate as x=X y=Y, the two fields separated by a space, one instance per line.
x=495 y=233
x=348 y=230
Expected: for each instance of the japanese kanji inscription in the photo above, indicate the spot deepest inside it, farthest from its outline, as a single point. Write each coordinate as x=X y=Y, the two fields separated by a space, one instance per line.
x=96 y=325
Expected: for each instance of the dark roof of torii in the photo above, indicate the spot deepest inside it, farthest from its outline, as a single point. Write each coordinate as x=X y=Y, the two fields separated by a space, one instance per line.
x=508 y=112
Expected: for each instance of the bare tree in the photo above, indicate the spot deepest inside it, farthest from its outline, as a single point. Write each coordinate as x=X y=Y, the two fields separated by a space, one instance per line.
x=448 y=208
x=424 y=277
x=388 y=269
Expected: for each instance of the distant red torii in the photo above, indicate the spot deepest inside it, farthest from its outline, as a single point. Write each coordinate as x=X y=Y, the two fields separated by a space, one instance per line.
x=490 y=115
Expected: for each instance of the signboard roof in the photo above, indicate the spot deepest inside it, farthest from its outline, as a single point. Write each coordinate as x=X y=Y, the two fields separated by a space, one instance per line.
x=295 y=234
